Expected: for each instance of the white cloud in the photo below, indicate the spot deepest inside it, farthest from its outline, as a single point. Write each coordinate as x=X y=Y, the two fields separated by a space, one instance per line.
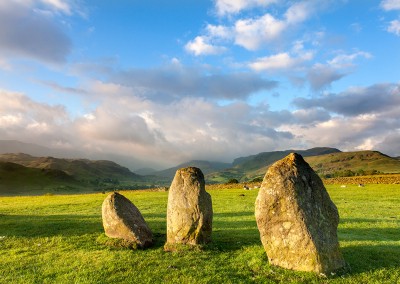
x=394 y=27
x=227 y=7
x=280 y=61
x=277 y=61
x=253 y=33
x=107 y=124
x=177 y=131
x=361 y=133
x=60 y=5
x=13 y=103
x=219 y=32
x=200 y=46
x=24 y=119
x=346 y=60
x=389 y=5
x=299 y=12
x=7 y=120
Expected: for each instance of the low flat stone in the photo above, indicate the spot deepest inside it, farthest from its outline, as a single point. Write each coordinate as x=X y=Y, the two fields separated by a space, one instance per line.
x=122 y=220
x=297 y=219
x=189 y=212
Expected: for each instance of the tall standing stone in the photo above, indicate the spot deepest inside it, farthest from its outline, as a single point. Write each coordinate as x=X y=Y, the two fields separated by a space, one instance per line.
x=122 y=220
x=189 y=212
x=297 y=219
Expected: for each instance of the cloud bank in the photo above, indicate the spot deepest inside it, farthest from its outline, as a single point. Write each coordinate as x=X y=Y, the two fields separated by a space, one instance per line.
x=195 y=128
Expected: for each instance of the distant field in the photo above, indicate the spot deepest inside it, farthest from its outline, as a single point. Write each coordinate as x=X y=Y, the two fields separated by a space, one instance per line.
x=59 y=239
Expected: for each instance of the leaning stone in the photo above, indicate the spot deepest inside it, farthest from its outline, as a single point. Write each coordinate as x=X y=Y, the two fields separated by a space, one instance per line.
x=297 y=219
x=189 y=212
x=122 y=220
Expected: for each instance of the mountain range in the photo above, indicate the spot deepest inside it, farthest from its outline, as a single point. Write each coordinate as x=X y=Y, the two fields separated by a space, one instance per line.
x=22 y=173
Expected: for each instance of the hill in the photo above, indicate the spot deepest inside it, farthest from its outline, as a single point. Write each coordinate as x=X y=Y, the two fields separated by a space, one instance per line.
x=16 y=179
x=15 y=146
x=327 y=162
x=80 y=169
x=357 y=163
x=254 y=166
x=51 y=173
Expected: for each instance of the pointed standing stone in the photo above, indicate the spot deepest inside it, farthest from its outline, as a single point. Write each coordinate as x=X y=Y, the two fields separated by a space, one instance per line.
x=122 y=220
x=189 y=212
x=297 y=219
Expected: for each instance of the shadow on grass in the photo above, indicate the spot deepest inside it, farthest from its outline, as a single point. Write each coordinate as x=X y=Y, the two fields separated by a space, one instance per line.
x=363 y=229
x=234 y=230
x=154 y=215
x=363 y=258
x=370 y=234
x=229 y=232
x=382 y=253
x=234 y=214
x=366 y=220
x=49 y=225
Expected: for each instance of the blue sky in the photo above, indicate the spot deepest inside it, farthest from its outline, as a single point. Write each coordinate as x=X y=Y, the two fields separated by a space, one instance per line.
x=163 y=82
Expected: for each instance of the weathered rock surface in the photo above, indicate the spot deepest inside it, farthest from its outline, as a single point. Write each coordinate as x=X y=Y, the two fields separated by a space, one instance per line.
x=297 y=219
x=189 y=212
x=122 y=219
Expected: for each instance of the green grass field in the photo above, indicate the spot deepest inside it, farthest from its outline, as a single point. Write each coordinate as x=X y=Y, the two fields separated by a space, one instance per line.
x=60 y=239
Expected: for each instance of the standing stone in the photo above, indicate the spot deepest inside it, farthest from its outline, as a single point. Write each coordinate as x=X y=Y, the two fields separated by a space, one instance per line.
x=297 y=219
x=122 y=220
x=189 y=212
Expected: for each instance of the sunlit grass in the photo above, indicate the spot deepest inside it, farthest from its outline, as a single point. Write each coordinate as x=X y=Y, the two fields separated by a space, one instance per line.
x=60 y=239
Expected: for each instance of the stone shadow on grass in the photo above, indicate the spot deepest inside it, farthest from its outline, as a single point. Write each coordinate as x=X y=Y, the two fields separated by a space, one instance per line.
x=364 y=258
x=230 y=232
x=50 y=225
x=235 y=214
x=366 y=220
x=234 y=230
x=369 y=231
x=369 y=234
x=381 y=253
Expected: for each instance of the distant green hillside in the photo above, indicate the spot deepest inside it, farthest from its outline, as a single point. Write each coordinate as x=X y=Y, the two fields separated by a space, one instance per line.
x=22 y=172
x=80 y=169
x=255 y=166
x=362 y=162
x=16 y=179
